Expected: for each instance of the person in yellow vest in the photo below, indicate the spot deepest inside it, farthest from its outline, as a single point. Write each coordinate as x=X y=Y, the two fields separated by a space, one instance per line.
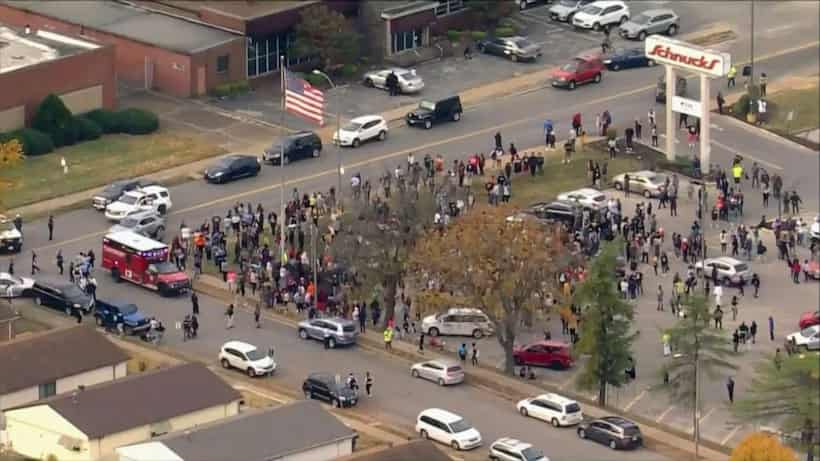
x=737 y=174
x=730 y=82
x=388 y=339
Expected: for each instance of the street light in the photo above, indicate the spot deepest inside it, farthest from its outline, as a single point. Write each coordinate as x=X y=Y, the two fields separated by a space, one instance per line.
x=339 y=170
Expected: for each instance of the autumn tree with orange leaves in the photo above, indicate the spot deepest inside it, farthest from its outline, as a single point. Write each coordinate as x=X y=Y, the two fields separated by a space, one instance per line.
x=507 y=268
x=762 y=447
x=11 y=152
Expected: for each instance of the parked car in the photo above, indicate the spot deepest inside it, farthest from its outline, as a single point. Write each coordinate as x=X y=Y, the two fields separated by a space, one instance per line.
x=14 y=286
x=628 y=58
x=409 y=80
x=564 y=10
x=61 y=295
x=660 y=21
x=559 y=211
x=613 y=431
x=152 y=198
x=808 y=319
x=648 y=183
x=444 y=372
x=807 y=338
x=148 y=223
x=601 y=14
x=114 y=191
x=361 y=129
x=110 y=314
x=232 y=167
x=578 y=71
x=325 y=387
x=458 y=322
x=515 y=48
x=246 y=357
x=553 y=354
x=429 y=113
x=447 y=428
x=11 y=239
x=587 y=197
x=297 y=146
x=730 y=271
x=336 y=331
x=509 y=449
x=553 y=408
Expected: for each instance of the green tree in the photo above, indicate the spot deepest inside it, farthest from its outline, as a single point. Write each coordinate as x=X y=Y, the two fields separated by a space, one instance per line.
x=699 y=349
x=606 y=334
x=328 y=35
x=54 y=118
x=786 y=390
x=490 y=12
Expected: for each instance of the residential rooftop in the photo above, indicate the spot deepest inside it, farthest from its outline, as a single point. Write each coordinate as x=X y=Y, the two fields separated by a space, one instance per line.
x=415 y=450
x=130 y=22
x=244 y=10
x=18 y=49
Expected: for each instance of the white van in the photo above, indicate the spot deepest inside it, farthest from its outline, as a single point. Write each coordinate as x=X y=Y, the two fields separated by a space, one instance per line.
x=447 y=428
x=553 y=408
x=458 y=322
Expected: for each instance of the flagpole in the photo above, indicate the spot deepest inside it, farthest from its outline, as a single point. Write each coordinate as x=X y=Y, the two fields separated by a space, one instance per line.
x=283 y=215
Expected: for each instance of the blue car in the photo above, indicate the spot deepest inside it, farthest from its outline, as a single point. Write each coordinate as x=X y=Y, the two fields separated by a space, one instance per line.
x=109 y=314
x=627 y=58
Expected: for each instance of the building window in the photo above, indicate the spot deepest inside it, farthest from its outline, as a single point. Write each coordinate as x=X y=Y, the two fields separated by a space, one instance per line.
x=47 y=389
x=222 y=64
x=407 y=40
x=449 y=6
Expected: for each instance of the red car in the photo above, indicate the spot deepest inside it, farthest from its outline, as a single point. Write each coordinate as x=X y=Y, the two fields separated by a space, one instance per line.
x=578 y=71
x=809 y=318
x=553 y=354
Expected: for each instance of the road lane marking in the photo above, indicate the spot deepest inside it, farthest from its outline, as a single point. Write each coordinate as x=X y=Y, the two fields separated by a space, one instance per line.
x=665 y=412
x=703 y=418
x=635 y=400
x=403 y=152
x=730 y=435
x=745 y=155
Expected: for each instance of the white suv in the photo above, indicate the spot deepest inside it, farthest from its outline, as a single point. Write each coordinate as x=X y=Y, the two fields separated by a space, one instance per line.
x=246 y=357
x=508 y=449
x=458 y=322
x=154 y=198
x=553 y=408
x=447 y=428
x=361 y=129
x=601 y=14
x=587 y=197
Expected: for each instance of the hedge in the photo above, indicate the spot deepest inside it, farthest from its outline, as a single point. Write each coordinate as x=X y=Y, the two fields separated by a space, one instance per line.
x=231 y=89
x=504 y=32
x=34 y=142
x=106 y=119
x=478 y=35
x=137 y=121
x=54 y=119
x=453 y=35
x=87 y=129
x=315 y=80
x=349 y=70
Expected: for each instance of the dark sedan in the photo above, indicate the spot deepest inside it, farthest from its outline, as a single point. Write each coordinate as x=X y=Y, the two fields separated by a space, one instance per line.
x=233 y=167
x=514 y=48
x=628 y=58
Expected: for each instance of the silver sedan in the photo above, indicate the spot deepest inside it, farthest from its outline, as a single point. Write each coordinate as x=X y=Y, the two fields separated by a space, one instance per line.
x=409 y=81
x=443 y=372
x=11 y=285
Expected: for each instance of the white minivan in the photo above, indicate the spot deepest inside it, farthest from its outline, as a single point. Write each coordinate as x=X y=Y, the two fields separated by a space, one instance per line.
x=553 y=408
x=458 y=322
x=447 y=428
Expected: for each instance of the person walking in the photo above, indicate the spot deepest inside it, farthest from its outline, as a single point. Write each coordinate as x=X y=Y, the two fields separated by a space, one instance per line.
x=474 y=358
x=362 y=318
x=734 y=308
x=723 y=243
x=50 y=227
x=194 y=303
x=60 y=261
x=34 y=267
x=720 y=102
x=421 y=342
x=735 y=340
x=718 y=316
x=730 y=77
x=388 y=339
x=756 y=284
x=229 y=313
x=753 y=330
x=462 y=352
x=771 y=328
x=368 y=383
x=257 y=314
x=660 y=295
x=730 y=389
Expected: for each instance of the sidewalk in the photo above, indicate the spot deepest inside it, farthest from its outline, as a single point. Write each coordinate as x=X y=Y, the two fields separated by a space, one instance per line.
x=657 y=437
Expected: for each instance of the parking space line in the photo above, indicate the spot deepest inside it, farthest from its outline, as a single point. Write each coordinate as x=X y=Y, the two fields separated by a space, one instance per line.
x=566 y=383
x=635 y=400
x=708 y=414
x=730 y=435
x=665 y=412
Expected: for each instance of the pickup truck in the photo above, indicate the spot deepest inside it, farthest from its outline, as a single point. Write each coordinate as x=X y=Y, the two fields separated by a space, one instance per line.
x=151 y=198
x=109 y=314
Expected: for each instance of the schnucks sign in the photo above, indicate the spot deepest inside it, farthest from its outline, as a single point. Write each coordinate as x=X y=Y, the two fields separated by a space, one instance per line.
x=665 y=50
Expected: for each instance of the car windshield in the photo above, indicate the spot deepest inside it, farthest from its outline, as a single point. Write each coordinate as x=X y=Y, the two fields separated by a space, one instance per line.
x=741 y=267
x=114 y=187
x=129 y=222
x=128 y=309
x=807 y=332
x=255 y=354
x=657 y=179
x=128 y=199
x=570 y=3
x=460 y=426
x=224 y=163
x=427 y=105
x=641 y=19
x=352 y=126
x=532 y=454
x=166 y=268
x=73 y=292
x=570 y=67
x=349 y=328
x=407 y=75
x=573 y=408
x=599 y=198
x=522 y=43
x=592 y=10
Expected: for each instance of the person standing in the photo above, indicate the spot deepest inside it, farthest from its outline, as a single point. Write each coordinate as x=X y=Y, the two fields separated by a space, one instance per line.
x=660 y=294
x=638 y=128
x=257 y=314
x=229 y=313
x=474 y=358
x=421 y=342
x=498 y=145
x=730 y=77
x=194 y=303
x=34 y=267
x=653 y=131
x=730 y=389
x=368 y=383
x=462 y=352
x=764 y=80
x=756 y=284
x=720 y=102
x=388 y=338
x=60 y=261
x=771 y=328
x=51 y=228
x=753 y=330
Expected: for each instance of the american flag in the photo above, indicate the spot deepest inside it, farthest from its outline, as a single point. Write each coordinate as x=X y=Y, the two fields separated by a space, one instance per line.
x=303 y=99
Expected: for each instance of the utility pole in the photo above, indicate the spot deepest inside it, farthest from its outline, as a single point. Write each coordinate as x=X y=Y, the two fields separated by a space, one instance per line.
x=752 y=58
x=339 y=169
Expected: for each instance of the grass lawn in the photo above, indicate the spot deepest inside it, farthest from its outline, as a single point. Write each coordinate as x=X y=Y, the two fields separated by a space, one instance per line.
x=96 y=163
x=805 y=102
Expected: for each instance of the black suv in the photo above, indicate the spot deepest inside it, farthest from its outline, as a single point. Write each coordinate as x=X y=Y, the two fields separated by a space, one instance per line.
x=558 y=211
x=233 y=167
x=61 y=295
x=430 y=112
x=303 y=144
x=111 y=314
x=323 y=386
x=113 y=191
x=613 y=431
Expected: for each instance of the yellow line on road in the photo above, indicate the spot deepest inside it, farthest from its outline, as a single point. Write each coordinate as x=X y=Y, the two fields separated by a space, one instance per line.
x=381 y=158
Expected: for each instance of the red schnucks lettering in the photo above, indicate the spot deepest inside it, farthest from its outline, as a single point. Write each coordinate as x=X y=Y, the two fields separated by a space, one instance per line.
x=667 y=53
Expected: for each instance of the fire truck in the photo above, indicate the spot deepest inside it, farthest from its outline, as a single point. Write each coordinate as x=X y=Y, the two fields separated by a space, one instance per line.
x=138 y=259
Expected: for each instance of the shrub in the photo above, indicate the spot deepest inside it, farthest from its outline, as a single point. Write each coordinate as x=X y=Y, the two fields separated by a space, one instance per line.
x=454 y=35
x=315 y=80
x=54 y=118
x=504 y=32
x=137 y=121
x=106 y=119
x=34 y=142
x=478 y=35
x=87 y=129
x=231 y=89
x=506 y=22
x=349 y=70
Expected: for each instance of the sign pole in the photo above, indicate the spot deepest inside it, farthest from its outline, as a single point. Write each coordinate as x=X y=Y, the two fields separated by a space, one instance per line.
x=671 y=90
x=705 y=126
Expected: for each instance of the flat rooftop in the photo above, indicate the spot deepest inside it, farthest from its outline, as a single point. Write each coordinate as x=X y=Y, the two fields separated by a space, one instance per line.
x=129 y=22
x=18 y=50
x=238 y=9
